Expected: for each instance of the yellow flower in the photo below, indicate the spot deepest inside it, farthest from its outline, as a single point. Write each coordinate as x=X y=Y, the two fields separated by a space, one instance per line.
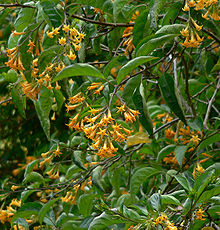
x=14 y=187
x=62 y=41
x=215 y=15
x=57 y=152
x=192 y=3
x=66 y=28
x=200 y=4
x=16 y=202
x=206 y=15
x=195 y=139
x=200 y=215
x=198 y=28
x=185 y=32
x=49 y=34
x=18 y=33
x=186 y=7
x=55 y=31
x=121 y=109
x=71 y=56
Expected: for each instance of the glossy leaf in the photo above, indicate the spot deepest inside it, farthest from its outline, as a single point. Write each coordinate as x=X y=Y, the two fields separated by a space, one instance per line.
x=139 y=177
x=131 y=65
x=141 y=105
x=168 y=90
x=43 y=107
x=154 y=43
x=179 y=153
x=46 y=207
x=78 y=69
x=18 y=99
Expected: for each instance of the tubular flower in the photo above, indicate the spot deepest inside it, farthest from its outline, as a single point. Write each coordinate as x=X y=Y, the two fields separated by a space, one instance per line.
x=200 y=4
x=66 y=28
x=57 y=152
x=186 y=7
x=198 y=28
x=71 y=56
x=31 y=46
x=198 y=170
x=185 y=32
x=215 y=15
x=200 y=215
x=192 y=3
x=62 y=41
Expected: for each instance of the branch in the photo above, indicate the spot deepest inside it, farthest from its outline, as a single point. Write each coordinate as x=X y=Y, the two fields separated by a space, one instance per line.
x=210 y=104
x=16 y=5
x=103 y=23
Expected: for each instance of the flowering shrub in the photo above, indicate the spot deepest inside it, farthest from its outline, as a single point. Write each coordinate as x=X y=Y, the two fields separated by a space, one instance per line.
x=109 y=114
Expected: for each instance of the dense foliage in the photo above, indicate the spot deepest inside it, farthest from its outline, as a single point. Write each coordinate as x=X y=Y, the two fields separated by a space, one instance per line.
x=109 y=114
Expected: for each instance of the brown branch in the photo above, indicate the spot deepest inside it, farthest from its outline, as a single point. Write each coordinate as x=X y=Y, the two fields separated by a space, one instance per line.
x=16 y=5
x=103 y=23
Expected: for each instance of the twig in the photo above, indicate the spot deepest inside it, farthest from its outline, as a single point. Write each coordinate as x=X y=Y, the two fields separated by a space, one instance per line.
x=210 y=104
x=103 y=23
x=16 y=5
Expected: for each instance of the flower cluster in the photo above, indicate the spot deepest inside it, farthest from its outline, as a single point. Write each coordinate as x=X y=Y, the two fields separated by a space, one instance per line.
x=14 y=61
x=198 y=170
x=99 y=125
x=200 y=215
x=163 y=220
x=128 y=35
x=200 y=5
x=191 y=31
x=48 y=156
x=70 y=39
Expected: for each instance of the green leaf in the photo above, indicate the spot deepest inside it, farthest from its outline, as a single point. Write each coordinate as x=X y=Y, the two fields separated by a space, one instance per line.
x=47 y=56
x=25 y=17
x=114 y=62
x=155 y=201
x=59 y=98
x=169 y=92
x=85 y=204
x=131 y=65
x=43 y=107
x=168 y=199
x=27 y=210
x=33 y=177
x=11 y=76
x=164 y=151
x=51 y=13
x=141 y=105
x=118 y=6
x=209 y=194
x=103 y=221
x=141 y=27
x=78 y=69
x=46 y=207
x=210 y=140
x=26 y=194
x=180 y=153
x=139 y=177
x=154 y=43
x=171 y=29
x=30 y=167
x=202 y=181
x=155 y=10
x=97 y=178
x=182 y=180
x=77 y=158
x=18 y=99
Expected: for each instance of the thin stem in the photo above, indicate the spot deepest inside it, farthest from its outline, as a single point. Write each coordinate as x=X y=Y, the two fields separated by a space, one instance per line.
x=210 y=104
